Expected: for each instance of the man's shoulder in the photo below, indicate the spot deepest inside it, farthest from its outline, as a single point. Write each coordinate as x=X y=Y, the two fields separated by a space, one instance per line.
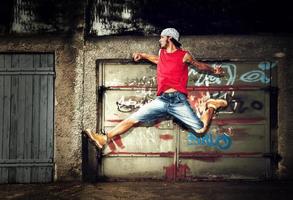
x=184 y=51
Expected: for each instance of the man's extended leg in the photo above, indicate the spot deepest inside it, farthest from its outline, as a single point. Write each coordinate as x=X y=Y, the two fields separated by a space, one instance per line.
x=206 y=119
x=100 y=140
x=147 y=113
x=122 y=127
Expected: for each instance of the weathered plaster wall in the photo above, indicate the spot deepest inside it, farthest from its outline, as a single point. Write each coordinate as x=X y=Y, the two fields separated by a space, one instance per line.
x=285 y=116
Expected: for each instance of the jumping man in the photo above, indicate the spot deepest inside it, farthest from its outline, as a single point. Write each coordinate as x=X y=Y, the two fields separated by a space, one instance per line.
x=172 y=77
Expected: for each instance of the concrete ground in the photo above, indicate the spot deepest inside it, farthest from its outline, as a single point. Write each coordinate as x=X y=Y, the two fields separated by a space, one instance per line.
x=150 y=190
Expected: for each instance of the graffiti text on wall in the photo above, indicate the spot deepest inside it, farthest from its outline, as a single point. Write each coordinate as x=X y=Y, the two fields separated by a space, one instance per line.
x=221 y=141
x=149 y=81
x=236 y=104
x=255 y=75
x=132 y=103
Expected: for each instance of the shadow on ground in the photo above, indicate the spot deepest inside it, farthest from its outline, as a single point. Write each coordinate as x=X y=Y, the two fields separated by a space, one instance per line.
x=150 y=190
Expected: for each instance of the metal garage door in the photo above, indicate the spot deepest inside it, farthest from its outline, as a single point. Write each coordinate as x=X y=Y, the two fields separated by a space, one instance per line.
x=236 y=146
x=26 y=117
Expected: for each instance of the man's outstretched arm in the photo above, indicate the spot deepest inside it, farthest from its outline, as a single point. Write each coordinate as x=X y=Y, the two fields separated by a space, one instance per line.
x=202 y=66
x=152 y=58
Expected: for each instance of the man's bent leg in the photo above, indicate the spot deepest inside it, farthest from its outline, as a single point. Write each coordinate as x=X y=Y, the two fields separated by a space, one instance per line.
x=206 y=119
x=212 y=105
x=184 y=113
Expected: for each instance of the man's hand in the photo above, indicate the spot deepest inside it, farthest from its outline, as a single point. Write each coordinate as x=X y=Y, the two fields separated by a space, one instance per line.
x=152 y=58
x=218 y=70
x=136 y=56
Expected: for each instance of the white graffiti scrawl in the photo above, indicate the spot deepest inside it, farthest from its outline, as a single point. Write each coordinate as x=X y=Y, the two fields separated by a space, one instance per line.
x=258 y=75
x=207 y=80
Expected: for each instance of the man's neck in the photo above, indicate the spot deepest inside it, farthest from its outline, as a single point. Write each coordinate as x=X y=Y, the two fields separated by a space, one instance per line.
x=171 y=48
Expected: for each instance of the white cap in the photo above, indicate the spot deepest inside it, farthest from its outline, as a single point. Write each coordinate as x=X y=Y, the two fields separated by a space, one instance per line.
x=171 y=32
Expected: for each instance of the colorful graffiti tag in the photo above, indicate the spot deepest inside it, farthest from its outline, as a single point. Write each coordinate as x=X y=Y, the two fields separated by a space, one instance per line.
x=132 y=103
x=231 y=75
x=219 y=141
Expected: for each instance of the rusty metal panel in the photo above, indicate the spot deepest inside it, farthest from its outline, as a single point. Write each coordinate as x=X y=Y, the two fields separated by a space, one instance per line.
x=221 y=169
x=137 y=167
x=239 y=137
x=142 y=152
x=234 y=146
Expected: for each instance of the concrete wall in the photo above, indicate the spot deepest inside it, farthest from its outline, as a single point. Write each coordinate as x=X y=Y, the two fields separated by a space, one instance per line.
x=76 y=92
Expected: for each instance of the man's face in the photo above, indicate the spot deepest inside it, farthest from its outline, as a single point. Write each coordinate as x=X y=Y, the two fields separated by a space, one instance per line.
x=164 y=42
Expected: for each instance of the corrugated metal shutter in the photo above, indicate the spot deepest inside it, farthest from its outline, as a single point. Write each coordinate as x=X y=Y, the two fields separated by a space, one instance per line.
x=26 y=117
x=236 y=145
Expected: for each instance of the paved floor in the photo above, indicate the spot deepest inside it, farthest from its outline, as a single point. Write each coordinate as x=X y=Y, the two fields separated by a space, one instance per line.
x=150 y=190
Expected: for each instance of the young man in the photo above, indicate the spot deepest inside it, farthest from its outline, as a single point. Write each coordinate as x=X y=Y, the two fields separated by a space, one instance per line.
x=172 y=77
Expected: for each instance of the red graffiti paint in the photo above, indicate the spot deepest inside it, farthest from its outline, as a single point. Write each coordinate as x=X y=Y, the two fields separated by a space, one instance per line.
x=112 y=146
x=166 y=137
x=240 y=134
x=118 y=141
x=172 y=172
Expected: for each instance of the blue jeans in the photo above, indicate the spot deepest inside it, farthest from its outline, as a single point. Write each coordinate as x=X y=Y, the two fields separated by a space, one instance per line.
x=173 y=104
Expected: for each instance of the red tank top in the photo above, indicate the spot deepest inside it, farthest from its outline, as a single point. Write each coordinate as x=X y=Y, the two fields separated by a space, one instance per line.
x=172 y=72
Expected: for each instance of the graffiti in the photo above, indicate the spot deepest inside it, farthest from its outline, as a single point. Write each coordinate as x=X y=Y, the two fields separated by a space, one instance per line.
x=207 y=80
x=197 y=100
x=200 y=79
x=237 y=105
x=132 y=103
x=258 y=75
x=255 y=75
x=142 y=82
x=218 y=141
x=116 y=141
x=257 y=105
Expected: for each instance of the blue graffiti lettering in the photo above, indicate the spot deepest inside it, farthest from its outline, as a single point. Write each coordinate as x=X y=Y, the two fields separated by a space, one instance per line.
x=221 y=142
x=266 y=65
